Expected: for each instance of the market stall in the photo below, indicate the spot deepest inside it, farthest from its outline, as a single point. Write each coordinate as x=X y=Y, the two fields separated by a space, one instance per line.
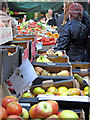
x=43 y=81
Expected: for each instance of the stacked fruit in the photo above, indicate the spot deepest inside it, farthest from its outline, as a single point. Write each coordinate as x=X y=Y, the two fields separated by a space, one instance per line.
x=11 y=108
x=43 y=72
x=61 y=91
x=86 y=90
x=55 y=35
x=50 y=110
x=57 y=53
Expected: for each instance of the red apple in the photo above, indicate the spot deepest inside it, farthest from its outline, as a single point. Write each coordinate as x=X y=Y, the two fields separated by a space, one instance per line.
x=54 y=105
x=68 y=114
x=7 y=100
x=59 y=113
x=53 y=117
x=3 y=112
x=32 y=111
x=43 y=109
x=11 y=117
x=14 y=108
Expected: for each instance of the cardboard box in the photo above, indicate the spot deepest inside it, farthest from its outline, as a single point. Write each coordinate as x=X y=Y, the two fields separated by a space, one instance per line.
x=81 y=72
x=40 y=79
x=27 y=48
x=41 y=51
x=27 y=38
x=49 y=83
x=8 y=63
x=54 y=67
x=24 y=37
x=80 y=65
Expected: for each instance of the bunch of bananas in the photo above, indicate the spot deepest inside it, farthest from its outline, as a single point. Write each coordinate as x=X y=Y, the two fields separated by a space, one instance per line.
x=42 y=58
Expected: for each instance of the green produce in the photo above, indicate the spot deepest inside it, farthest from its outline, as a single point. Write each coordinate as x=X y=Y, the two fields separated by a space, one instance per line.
x=38 y=90
x=41 y=58
x=78 y=78
x=68 y=114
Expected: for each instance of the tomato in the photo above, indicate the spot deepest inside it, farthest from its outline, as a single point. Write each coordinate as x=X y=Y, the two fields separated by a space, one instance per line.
x=14 y=108
x=3 y=112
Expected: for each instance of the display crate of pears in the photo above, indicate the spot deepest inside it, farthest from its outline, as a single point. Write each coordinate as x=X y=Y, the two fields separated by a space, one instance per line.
x=53 y=70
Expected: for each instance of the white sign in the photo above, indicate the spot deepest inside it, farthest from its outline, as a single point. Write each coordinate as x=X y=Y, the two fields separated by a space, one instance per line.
x=23 y=77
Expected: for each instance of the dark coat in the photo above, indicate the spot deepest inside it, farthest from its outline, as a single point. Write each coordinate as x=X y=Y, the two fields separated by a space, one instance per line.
x=85 y=20
x=51 y=22
x=73 y=39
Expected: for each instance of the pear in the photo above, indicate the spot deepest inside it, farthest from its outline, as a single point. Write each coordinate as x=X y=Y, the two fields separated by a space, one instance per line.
x=54 y=74
x=49 y=74
x=39 y=69
x=63 y=73
x=44 y=73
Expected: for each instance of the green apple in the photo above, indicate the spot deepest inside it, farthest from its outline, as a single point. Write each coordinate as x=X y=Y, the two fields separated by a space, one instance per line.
x=38 y=90
x=52 y=90
x=68 y=114
x=25 y=114
x=43 y=109
x=49 y=93
x=86 y=88
x=26 y=94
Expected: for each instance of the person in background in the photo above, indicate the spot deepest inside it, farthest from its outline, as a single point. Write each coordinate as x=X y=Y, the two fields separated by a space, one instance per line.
x=50 y=11
x=50 y=20
x=3 y=12
x=73 y=36
x=61 y=22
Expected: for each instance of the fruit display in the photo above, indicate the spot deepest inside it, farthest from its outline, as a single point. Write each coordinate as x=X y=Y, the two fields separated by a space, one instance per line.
x=50 y=110
x=41 y=110
x=53 y=53
x=61 y=91
x=86 y=91
x=43 y=72
x=11 y=108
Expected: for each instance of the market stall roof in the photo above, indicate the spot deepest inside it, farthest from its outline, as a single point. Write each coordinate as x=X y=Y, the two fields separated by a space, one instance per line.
x=34 y=6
